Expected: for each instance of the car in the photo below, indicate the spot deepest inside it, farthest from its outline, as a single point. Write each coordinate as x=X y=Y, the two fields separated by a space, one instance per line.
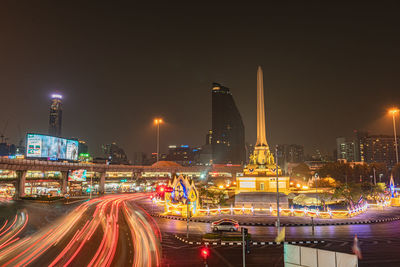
x=225 y=225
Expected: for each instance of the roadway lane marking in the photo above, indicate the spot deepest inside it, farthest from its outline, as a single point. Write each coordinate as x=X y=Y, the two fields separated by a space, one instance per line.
x=343 y=244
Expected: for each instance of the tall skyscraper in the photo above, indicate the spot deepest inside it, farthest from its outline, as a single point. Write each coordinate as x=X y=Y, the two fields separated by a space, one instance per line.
x=227 y=140
x=346 y=149
x=55 y=115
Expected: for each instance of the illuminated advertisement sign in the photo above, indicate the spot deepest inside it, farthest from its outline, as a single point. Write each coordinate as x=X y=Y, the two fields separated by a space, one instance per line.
x=51 y=147
x=77 y=176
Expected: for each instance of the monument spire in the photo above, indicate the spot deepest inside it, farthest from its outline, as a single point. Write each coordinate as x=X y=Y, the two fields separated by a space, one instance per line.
x=261 y=155
x=261 y=174
x=261 y=138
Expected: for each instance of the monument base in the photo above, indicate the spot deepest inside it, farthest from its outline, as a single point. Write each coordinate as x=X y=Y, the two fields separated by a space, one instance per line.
x=260 y=199
x=261 y=184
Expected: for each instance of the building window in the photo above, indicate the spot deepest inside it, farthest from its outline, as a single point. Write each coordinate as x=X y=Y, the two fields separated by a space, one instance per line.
x=262 y=186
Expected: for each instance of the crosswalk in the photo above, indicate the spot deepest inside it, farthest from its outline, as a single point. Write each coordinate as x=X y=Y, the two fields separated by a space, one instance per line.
x=170 y=241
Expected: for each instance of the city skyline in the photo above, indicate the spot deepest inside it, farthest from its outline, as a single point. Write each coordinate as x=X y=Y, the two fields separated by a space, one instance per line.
x=105 y=83
x=194 y=134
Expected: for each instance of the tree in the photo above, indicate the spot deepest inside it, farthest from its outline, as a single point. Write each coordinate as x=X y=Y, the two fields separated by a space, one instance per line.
x=215 y=196
x=302 y=170
x=371 y=190
x=358 y=173
x=350 y=192
x=396 y=172
x=339 y=171
x=324 y=183
x=380 y=169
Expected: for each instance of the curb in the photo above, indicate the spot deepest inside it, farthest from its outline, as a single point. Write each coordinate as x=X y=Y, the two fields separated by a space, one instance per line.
x=263 y=243
x=286 y=224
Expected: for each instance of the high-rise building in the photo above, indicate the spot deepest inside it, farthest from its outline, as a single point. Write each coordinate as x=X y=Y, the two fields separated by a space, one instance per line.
x=209 y=138
x=227 y=139
x=367 y=148
x=290 y=154
x=183 y=154
x=346 y=149
x=83 y=147
x=115 y=154
x=203 y=155
x=139 y=158
x=55 y=115
x=379 y=148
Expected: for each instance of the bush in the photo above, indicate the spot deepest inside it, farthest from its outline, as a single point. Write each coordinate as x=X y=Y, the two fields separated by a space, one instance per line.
x=235 y=238
x=212 y=236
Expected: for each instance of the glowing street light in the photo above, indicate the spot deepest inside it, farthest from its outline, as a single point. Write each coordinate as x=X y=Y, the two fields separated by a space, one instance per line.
x=157 y=122
x=395 y=111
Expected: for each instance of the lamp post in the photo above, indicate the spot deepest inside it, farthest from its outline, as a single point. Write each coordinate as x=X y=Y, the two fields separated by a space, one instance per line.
x=91 y=187
x=157 y=122
x=277 y=190
x=316 y=189
x=394 y=111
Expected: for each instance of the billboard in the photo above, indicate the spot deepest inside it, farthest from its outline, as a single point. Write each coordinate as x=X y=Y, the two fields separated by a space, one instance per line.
x=51 y=147
x=77 y=176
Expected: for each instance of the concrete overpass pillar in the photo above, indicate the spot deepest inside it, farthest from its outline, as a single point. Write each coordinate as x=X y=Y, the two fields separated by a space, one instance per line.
x=20 y=184
x=102 y=182
x=64 y=182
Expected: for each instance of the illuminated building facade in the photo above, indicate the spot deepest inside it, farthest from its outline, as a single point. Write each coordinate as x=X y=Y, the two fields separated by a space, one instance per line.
x=228 y=145
x=55 y=115
x=367 y=148
x=346 y=149
x=380 y=148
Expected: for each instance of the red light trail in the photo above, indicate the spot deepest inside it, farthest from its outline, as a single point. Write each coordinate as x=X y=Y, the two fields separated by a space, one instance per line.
x=72 y=236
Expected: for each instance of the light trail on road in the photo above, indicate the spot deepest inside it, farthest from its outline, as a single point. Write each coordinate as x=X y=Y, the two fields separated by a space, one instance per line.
x=8 y=235
x=73 y=235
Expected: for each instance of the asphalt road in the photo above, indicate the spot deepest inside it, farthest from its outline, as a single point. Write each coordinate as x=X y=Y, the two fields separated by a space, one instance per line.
x=107 y=231
x=379 y=243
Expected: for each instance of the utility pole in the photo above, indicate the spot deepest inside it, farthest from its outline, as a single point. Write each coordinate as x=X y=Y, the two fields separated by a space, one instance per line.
x=158 y=141
x=316 y=189
x=91 y=186
x=394 y=111
x=374 y=175
x=157 y=122
x=244 y=246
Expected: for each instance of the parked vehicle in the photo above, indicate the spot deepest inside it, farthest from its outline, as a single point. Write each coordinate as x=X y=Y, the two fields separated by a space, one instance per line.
x=225 y=225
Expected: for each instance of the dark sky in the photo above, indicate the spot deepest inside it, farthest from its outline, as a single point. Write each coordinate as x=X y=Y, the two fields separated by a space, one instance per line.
x=329 y=68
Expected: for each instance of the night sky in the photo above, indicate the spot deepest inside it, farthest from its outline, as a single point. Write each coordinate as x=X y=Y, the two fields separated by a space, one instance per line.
x=328 y=69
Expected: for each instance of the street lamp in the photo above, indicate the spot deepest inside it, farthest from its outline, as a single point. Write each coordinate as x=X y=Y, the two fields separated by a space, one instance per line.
x=278 y=224
x=157 y=122
x=395 y=111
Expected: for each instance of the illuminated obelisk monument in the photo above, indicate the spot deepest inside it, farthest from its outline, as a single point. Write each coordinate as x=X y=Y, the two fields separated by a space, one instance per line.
x=260 y=174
